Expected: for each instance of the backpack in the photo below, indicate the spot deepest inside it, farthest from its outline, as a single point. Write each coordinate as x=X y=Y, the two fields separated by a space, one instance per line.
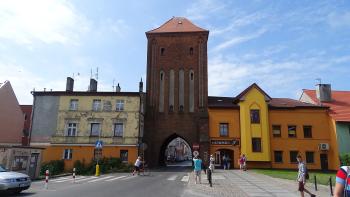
x=307 y=176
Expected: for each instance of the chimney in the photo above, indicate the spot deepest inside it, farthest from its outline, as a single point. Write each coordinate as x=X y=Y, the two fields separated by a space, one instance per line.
x=141 y=86
x=324 y=92
x=70 y=84
x=93 y=85
x=117 y=89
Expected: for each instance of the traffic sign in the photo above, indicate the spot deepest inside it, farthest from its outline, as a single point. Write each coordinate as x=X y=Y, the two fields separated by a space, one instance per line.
x=195 y=146
x=195 y=153
x=99 y=144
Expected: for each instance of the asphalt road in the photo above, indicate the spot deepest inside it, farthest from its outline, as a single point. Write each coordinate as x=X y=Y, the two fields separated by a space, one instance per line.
x=162 y=182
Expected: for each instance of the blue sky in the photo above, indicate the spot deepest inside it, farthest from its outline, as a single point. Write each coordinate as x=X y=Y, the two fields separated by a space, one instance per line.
x=284 y=46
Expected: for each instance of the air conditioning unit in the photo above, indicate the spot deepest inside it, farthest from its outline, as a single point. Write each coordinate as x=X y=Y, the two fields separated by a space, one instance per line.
x=323 y=146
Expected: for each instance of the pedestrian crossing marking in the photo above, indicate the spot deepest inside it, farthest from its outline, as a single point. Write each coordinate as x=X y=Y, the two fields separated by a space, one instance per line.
x=172 y=178
x=116 y=178
x=185 y=179
x=100 y=179
x=130 y=177
x=89 y=178
x=68 y=179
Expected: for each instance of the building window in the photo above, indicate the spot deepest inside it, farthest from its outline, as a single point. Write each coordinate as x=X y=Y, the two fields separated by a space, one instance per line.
x=181 y=108
x=255 y=116
x=67 y=154
x=307 y=132
x=96 y=105
x=293 y=156
x=120 y=105
x=309 y=157
x=73 y=104
x=118 y=129
x=95 y=129
x=71 y=129
x=171 y=108
x=292 y=131
x=162 y=51
x=20 y=163
x=256 y=142
x=191 y=51
x=278 y=156
x=276 y=130
x=223 y=129
x=124 y=156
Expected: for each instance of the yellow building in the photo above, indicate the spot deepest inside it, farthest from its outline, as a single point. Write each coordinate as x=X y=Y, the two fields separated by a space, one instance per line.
x=271 y=131
x=76 y=120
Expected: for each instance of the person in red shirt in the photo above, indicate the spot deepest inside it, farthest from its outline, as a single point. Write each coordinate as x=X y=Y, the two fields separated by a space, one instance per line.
x=342 y=186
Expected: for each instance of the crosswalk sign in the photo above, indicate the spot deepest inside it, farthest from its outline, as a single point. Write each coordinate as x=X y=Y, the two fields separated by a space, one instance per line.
x=98 y=144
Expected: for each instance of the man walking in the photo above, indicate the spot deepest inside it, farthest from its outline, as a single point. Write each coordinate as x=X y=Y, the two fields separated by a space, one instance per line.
x=212 y=161
x=301 y=177
x=197 y=168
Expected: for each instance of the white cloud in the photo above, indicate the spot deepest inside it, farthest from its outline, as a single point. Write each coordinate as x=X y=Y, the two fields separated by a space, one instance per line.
x=239 y=39
x=339 y=20
x=201 y=9
x=49 y=21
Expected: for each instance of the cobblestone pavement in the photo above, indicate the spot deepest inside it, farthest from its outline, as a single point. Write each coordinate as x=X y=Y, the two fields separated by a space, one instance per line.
x=246 y=184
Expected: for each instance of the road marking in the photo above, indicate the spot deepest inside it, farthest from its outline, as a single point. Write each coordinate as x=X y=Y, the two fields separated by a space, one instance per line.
x=100 y=179
x=70 y=179
x=60 y=179
x=185 y=178
x=172 y=178
x=130 y=177
x=92 y=177
x=119 y=177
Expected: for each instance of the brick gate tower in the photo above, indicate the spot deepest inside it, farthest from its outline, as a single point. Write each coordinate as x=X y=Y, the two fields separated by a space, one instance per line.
x=177 y=88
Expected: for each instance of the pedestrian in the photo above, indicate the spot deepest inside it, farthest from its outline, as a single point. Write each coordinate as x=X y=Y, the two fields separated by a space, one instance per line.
x=302 y=177
x=241 y=162
x=137 y=166
x=204 y=167
x=342 y=186
x=197 y=168
x=244 y=162
x=228 y=162
x=212 y=161
x=224 y=160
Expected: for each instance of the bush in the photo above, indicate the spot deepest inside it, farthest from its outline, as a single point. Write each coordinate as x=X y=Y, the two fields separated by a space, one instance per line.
x=55 y=167
x=345 y=159
x=107 y=165
x=80 y=167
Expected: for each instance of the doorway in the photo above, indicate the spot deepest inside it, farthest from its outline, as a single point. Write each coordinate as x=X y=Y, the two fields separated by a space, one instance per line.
x=177 y=153
x=324 y=162
x=222 y=154
x=33 y=164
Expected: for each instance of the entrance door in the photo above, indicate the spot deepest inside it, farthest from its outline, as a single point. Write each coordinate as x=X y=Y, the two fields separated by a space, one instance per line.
x=324 y=162
x=217 y=157
x=33 y=164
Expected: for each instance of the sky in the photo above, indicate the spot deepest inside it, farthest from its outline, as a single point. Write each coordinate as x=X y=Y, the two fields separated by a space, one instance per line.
x=283 y=46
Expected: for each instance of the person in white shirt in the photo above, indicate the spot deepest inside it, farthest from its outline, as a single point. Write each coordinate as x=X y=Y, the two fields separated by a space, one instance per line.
x=212 y=161
x=137 y=165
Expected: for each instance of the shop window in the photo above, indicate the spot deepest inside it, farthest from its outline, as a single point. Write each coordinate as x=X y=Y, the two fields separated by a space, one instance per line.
x=309 y=157
x=124 y=156
x=67 y=154
x=223 y=129
x=20 y=163
x=255 y=116
x=73 y=106
x=276 y=130
x=307 y=132
x=292 y=131
x=95 y=129
x=293 y=156
x=278 y=156
x=256 y=142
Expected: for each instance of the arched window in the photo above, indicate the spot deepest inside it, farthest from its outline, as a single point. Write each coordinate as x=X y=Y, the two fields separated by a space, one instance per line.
x=191 y=51
x=181 y=90
x=162 y=51
x=171 y=89
x=161 y=92
x=191 y=91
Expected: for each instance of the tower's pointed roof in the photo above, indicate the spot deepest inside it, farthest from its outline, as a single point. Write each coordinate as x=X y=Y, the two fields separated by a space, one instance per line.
x=177 y=24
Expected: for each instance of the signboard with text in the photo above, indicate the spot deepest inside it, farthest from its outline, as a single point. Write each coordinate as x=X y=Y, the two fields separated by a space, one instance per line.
x=233 y=142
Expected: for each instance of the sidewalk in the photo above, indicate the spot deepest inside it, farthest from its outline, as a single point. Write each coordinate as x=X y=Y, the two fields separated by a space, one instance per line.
x=246 y=184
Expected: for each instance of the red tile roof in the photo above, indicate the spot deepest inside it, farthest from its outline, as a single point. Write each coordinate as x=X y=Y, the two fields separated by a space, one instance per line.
x=177 y=24
x=339 y=106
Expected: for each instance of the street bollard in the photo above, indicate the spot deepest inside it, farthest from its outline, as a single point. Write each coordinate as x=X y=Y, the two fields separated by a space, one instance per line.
x=97 y=170
x=73 y=175
x=330 y=185
x=46 y=179
x=315 y=183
